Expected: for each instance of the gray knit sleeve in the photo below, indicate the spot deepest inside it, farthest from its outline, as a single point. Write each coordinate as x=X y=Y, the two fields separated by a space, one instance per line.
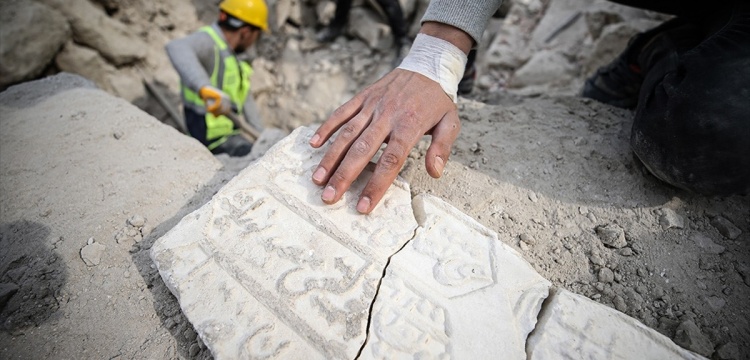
x=193 y=58
x=470 y=16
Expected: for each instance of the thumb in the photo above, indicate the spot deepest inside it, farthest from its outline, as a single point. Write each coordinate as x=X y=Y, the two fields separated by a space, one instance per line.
x=443 y=136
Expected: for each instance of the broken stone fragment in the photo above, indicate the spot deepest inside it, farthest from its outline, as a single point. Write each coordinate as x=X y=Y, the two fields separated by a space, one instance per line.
x=453 y=286
x=267 y=269
x=726 y=228
x=606 y=275
x=612 y=235
x=566 y=331
x=137 y=221
x=671 y=220
x=91 y=254
x=689 y=336
x=705 y=243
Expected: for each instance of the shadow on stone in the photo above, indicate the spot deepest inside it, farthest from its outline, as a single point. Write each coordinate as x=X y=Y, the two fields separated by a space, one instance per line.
x=32 y=275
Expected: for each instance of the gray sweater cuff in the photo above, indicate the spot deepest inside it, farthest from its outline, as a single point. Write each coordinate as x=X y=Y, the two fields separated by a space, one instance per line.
x=470 y=16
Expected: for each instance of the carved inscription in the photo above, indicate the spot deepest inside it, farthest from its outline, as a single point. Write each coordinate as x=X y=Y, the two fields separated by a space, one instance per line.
x=408 y=324
x=462 y=264
x=305 y=276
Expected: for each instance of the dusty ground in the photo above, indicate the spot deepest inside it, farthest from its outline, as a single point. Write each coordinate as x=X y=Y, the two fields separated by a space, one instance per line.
x=543 y=171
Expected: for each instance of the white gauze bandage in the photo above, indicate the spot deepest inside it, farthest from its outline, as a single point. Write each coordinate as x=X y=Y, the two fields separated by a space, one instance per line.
x=438 y=60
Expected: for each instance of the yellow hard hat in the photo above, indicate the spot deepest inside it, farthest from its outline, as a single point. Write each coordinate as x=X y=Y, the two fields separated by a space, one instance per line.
x=253 y=12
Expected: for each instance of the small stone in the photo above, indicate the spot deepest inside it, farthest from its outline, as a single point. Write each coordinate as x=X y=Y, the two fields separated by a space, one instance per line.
x=612 y=235
x=626 y=251
x=596 y=260
x=705 y=243
x=523 y=246
x=728 y=351
x=533 y=197
x=641 y=289
x=118 y=135
x=606 y=275
x=671 y=220
x=90 y=241
x=716 y=302
x=528 y=239
x=726 y=228
x=689 y=336
x=91 y=254
x=642 y=272
x=137 y=221
x=620 y=304
x=146 y=230
x=131 y=231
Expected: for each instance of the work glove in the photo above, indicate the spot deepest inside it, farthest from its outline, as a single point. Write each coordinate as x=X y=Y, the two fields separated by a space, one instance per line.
x=217 y=101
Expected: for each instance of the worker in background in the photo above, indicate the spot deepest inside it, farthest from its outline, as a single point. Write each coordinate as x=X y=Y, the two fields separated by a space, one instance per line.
x=396 y=20
x=689 y=80
x=214 y=82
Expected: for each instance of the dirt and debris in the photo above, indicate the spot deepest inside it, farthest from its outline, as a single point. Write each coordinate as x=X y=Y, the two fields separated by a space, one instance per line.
x=552 y=173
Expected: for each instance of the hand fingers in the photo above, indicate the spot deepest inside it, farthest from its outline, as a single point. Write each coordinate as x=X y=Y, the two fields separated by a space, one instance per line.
x=338 y=150
x=387 y=169
x=443 y=136
x=339 y=117
x=357 y=157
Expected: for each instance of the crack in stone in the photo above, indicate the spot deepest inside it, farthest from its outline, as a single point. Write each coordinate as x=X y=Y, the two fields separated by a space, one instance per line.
x=380 y=283
x=551 y=292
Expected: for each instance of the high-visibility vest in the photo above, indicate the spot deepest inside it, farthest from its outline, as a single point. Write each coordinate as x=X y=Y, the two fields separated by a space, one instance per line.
x=232 y=77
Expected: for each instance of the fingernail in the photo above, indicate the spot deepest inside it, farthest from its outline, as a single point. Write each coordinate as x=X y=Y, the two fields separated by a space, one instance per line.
x=439 y=164
x=314 y=139
x=328 y=193
x=319 y=174
x=363 y=205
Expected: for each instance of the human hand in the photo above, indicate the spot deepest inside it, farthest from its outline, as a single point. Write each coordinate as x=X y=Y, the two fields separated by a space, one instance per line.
x=217 y=101
x=398 y=110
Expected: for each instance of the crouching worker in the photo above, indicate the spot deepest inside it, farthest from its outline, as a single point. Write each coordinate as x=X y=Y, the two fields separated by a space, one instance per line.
x=214 y=82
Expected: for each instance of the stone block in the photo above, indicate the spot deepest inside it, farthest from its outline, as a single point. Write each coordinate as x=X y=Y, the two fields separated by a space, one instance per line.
x=265 y=269
x=574 y=327
x=454 y=287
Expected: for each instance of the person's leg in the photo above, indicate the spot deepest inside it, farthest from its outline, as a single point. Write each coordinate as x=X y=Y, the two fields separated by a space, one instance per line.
x=196 y=124
x=396 y=19
x=692 y=123
x=336 y=27
x=235 y=145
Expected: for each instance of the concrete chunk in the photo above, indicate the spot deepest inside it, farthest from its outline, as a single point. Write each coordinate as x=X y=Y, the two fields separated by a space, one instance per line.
x=265 y=269
x=574 y=327
x=453 y=287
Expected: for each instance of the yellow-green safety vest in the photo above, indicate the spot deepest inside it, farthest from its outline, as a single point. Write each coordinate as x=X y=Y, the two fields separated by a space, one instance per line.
x=232 y=77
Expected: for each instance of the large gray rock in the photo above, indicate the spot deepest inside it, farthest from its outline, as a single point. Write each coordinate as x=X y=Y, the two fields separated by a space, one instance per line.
x=92 y=27
x=31 y=34
x=125 y=83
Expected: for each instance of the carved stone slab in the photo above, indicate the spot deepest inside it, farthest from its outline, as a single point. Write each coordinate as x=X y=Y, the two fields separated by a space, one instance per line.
x=266 y=270
x=455 y=291
x=573 y=327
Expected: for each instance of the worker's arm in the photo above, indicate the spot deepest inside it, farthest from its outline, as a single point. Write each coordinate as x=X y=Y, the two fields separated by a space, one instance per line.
x=403 y=106
x=193 y=58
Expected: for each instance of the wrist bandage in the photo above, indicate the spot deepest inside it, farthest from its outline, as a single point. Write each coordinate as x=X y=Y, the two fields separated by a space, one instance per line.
x=437 y=59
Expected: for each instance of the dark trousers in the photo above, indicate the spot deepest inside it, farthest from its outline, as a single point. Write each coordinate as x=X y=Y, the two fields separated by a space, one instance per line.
x=692 y=121
x=392 y=10
x=196 y=124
